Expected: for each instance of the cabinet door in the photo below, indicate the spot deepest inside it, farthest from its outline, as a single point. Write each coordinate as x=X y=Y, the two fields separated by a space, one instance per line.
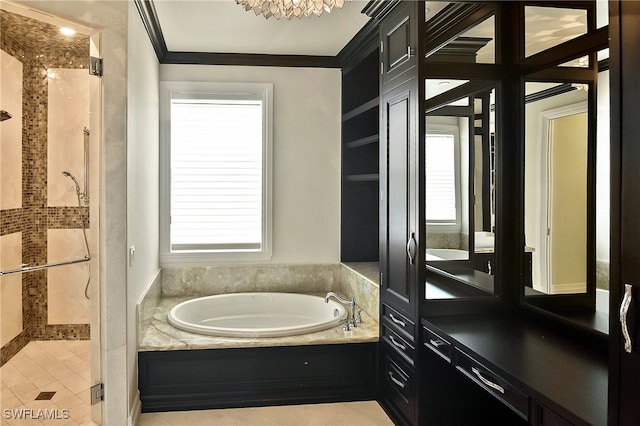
x=624 y=380
x=399 y=233
x=399 y=43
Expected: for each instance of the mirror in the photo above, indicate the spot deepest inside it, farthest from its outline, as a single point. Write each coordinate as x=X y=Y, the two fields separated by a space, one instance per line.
x=557 y=189
x=567 y=196
x=458 y=149
x=459 y=181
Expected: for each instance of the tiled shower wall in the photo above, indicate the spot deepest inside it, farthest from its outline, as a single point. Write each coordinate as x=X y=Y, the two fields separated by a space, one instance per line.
x=40 y=221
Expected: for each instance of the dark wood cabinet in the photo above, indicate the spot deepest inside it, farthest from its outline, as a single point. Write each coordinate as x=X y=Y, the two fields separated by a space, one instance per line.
x=398 y=225
x=442 y=358
x=624 y=378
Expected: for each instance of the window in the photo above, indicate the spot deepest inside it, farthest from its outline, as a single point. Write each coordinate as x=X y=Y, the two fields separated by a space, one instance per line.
x=217 y=172
x=442 y=180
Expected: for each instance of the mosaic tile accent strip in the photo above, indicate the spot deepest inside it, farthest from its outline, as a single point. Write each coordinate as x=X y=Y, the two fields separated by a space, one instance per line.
x=14 y=346
x=11 y=221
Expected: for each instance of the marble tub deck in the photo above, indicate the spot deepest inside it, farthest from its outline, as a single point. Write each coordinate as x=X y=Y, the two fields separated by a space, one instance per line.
x=158 y=335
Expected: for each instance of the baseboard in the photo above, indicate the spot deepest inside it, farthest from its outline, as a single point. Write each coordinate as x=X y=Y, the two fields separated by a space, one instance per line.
x=136 y=410
x=569 y=288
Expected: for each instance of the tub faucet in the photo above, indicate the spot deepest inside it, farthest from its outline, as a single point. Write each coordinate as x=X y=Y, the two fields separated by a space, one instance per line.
x=351 y=321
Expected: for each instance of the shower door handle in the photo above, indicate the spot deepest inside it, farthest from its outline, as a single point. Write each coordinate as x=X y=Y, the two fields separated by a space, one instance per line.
x=411 y=248
x=624 y=310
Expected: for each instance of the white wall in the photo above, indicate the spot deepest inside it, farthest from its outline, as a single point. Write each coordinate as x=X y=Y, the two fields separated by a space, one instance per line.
x=142 y=181
x=306 y=157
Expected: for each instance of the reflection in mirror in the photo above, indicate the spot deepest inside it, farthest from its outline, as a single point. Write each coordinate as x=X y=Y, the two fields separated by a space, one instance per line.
x=557 y=192
x=446 y=185
x=476 y=44
x=603 y=191
x=546 y=27
x=459 y=185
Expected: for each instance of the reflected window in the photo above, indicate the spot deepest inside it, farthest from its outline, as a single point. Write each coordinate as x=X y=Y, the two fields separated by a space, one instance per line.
x=441 y=182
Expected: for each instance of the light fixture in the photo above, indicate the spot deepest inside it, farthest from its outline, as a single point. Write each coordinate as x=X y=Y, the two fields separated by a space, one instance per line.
x=290 y=8
x=67 y=31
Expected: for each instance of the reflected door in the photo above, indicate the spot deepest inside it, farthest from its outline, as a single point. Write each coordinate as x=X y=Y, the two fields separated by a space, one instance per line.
x=567 y=204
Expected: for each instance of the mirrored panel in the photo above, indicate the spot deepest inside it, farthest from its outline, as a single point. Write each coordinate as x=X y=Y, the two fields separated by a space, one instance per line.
x=603 y=194
x=459 y=183
x=558 y=188
x=547 y=27
x=448 y=43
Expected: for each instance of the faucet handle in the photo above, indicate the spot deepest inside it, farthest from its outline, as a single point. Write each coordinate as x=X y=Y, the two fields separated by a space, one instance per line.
x=346 y=326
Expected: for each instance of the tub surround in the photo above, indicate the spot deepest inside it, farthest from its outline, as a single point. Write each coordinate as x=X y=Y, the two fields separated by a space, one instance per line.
x=159 y=335
x=178 y=370
x=221 y=279
x=176 y=284
x=362 y=281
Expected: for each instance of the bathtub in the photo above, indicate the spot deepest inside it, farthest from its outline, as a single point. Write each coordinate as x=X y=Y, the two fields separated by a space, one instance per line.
x=256 y=314
x=447 y=254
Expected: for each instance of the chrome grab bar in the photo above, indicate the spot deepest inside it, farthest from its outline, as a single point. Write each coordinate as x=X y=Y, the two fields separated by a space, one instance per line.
x=40 y=267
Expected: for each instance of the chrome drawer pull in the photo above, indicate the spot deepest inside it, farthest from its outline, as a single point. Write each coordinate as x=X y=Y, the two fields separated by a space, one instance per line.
x=397 y=344
x=487 y=382
x=396 y=381
x=437 y=343
x=397 y=321
x=624 y=309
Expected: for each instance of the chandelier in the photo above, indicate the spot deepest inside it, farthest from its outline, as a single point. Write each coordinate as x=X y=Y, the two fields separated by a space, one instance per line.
x=290 y=8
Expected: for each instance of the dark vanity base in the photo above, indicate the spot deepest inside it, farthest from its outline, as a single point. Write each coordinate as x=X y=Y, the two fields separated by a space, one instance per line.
x=555 y=381
x=242 y=377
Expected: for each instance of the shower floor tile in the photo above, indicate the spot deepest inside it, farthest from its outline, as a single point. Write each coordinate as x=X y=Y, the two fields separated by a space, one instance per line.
x=58 y=369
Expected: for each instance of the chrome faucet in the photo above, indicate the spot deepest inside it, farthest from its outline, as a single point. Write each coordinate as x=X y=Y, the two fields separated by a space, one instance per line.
x=351 y=321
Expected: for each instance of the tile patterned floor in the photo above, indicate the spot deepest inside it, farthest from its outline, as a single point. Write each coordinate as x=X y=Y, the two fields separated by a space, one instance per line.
x=366 y=413
x=56 y=366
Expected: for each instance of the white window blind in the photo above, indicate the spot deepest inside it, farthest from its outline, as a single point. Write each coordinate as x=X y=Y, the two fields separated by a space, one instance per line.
x=216 y=173
x=440 y=165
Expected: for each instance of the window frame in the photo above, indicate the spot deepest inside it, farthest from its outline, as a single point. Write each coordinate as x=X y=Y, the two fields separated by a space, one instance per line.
x=448 y=129
x=170 y=90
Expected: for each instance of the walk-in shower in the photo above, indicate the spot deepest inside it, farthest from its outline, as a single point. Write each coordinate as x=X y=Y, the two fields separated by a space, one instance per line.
x=45 y=239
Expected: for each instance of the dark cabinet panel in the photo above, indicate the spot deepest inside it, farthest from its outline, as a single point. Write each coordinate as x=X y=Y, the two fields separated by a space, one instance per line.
x=399 y=42
x=398 y=231
x=624 y=381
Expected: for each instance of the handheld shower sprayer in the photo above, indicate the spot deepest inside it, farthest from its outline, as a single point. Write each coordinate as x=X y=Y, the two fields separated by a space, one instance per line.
x=69 y=175
x=84 y=231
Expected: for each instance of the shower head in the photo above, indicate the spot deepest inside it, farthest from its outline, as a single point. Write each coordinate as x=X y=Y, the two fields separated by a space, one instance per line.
x=69 y=175
x=4 y=115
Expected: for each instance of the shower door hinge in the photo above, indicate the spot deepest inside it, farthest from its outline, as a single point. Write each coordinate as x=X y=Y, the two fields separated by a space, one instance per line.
x=95 y=66
x=97 y=393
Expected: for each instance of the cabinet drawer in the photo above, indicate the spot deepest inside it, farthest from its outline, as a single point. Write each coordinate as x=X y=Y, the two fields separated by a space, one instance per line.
x=493 y=383
x=398 y=321
x=399 y=390
x=398 y=344
x=437 y=344
x=547 y=417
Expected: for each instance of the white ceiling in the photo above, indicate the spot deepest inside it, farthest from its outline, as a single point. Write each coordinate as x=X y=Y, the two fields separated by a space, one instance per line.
x=222 y=26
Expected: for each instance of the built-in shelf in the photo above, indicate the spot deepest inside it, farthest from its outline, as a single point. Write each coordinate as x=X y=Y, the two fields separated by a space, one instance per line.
x=373 y=103
x=371 y=177
x=363 y=141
